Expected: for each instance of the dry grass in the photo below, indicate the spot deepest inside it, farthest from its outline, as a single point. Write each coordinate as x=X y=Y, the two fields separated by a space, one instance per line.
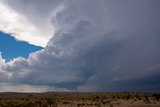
x=79 y=100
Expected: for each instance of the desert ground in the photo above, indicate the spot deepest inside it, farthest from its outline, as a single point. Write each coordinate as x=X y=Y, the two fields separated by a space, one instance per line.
x=75 y=99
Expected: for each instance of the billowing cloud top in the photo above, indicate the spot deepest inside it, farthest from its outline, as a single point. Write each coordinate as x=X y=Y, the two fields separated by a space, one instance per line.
x=96 y=45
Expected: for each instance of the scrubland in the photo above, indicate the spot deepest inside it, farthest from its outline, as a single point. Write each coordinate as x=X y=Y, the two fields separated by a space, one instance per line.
x=75 y=99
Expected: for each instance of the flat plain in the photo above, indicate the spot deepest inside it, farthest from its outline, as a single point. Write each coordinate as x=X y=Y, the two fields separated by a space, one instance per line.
x=75 y=99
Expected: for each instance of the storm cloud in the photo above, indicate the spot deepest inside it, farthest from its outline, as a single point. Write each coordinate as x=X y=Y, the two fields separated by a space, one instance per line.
x=97 y=46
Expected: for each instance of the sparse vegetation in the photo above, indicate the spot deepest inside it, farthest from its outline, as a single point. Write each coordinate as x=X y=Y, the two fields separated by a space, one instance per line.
x=79 y=99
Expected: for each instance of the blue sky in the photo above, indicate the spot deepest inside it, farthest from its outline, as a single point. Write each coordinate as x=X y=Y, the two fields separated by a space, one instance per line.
x=11 y=48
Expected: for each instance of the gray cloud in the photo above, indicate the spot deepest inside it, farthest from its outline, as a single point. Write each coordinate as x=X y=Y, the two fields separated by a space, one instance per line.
x=97 y=46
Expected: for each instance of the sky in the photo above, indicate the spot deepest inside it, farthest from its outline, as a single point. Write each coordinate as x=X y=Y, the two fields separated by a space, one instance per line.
x=80 y=45
x=11 y=48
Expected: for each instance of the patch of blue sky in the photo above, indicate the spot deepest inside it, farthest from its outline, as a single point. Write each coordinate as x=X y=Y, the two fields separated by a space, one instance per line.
x=11 y=48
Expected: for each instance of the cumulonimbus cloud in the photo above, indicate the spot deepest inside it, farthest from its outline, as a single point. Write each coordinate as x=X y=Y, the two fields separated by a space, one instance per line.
x=96 y=47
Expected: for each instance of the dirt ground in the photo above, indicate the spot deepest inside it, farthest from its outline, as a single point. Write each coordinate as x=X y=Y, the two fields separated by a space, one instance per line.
x=79 y=99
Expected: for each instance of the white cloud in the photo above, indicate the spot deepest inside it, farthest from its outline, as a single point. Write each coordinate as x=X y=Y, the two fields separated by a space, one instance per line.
x=21 y=27
x=2 y=61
